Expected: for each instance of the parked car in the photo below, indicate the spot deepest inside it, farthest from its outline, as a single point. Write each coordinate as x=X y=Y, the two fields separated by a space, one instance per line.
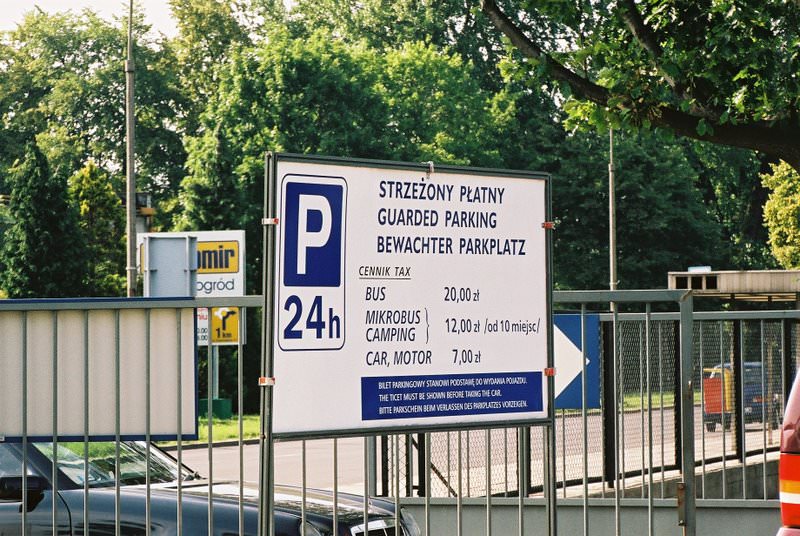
x=789 y=469
x=164 y=475
x=719 y=399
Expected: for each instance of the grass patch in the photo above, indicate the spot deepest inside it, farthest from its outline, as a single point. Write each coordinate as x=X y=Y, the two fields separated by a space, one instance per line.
x=225 y=429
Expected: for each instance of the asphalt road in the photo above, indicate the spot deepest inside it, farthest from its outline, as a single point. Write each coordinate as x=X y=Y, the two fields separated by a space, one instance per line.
x=634 y=454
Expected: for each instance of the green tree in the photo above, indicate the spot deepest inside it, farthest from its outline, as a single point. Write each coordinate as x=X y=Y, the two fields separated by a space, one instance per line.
x=729 y=182
x=208 y=30
x=437 y=109
x=662 y=223
x=62 y=81
x=101 y=218
x=42 y=253
x=782 y=214
x=722 y=71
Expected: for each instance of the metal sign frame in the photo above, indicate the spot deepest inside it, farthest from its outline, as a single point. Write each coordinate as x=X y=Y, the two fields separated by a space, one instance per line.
x=270 y=223
x=483 y=420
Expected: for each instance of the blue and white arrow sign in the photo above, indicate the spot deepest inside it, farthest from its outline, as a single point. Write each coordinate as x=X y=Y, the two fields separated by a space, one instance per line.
x=568 y=354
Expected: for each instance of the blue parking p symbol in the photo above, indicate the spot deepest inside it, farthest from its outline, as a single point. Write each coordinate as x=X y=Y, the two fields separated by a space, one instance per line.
x=313 y=222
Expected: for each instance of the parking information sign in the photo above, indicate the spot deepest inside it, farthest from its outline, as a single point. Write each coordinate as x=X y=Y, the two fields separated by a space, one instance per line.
x=408 y=297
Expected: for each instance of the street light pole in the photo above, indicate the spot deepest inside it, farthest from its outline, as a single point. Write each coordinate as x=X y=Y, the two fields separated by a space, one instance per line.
x=130 y=172
x=612 y=216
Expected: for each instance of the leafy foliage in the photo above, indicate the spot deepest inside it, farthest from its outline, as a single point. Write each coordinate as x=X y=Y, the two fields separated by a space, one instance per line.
x=41 y=252
x=782 y=214
x=662 y=224
x=721 y=71
x=101 y=218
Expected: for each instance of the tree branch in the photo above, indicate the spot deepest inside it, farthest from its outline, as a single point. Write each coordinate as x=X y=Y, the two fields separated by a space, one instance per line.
x=768 y=138
x=645 y=36
x=630 y=14
x=580 y=85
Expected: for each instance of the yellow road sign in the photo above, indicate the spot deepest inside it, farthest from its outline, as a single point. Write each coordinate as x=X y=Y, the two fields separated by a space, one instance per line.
x=225 y=325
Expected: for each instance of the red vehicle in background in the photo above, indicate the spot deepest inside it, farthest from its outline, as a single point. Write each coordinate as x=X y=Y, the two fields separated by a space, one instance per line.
x=789 y=471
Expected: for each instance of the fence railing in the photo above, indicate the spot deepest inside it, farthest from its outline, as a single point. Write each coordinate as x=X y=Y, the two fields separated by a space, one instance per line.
x=688 y=409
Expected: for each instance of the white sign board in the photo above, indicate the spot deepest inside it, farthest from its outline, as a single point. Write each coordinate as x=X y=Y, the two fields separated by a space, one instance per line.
x=220 y=270
x=30 y=345
x=406 y=298
x=220 y=261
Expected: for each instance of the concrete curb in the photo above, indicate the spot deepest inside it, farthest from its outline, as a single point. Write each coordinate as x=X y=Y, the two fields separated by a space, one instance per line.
x=196 y=446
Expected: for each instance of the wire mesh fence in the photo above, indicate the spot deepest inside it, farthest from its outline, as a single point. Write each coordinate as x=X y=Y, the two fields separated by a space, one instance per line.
x=742 y=370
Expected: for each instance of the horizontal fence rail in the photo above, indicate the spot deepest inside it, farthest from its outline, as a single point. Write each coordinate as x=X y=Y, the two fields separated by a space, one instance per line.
x=689 y=403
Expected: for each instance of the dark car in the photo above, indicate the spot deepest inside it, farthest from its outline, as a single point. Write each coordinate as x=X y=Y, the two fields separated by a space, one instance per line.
x=718 y=397
x=164 y=476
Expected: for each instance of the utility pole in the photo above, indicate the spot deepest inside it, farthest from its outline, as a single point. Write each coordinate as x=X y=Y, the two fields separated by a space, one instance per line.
x=612 y=217
x=130 y=172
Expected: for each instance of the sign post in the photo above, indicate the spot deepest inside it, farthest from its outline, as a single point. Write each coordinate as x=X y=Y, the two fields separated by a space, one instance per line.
x=219 y=264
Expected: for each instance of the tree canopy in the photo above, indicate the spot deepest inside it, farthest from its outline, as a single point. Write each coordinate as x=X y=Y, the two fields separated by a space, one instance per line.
x=41 y=251
x=723 y=71
x=419 y=81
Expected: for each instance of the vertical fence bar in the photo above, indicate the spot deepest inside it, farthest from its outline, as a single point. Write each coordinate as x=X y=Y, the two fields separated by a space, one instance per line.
x=609 y=408
x=428 y=490
x=764 y=401
x=240 y=416
x=459 y=499
x=488 y=482
x=787 y=367
x=24 y=507
x=564 y=452
x=723 y=406
x=702 y=415
x=785 y=344
x=266 y=525
x=687 y=409
x=618 y=342
x=661 y=400
x=641 y=402
x=117 y=401
x=677 y=385
x=147 y=416
x=617 y=411
x=336 y=484
x=741 y=419
x=179 y=413
x=449 y=465
x=505 y=459
x=54 y=475
x=365 y=513
x=397 y=482
x=584 y=424
x=372 y=465
x=469 y=471
x=85 y=422
x=522 y=486
x=650 y=513
x=210 y=416
x=304 y=487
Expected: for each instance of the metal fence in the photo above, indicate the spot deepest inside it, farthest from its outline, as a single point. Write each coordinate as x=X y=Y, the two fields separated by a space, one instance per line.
x=713 y=419
x=716 y=421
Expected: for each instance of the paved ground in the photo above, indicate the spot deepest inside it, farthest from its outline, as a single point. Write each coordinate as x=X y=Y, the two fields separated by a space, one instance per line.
x=500 y=456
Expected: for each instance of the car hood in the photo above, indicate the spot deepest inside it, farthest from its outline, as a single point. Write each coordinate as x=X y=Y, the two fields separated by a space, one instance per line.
x=288 y=499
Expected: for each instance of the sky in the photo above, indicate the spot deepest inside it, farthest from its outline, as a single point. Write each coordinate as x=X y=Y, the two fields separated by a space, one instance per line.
x=156 y=11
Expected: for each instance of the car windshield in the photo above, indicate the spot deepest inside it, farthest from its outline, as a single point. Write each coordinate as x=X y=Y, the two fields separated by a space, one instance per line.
x=101 y=469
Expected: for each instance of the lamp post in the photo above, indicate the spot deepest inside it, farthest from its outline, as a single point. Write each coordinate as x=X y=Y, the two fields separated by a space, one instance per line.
x=612 y=217
x=130 y=172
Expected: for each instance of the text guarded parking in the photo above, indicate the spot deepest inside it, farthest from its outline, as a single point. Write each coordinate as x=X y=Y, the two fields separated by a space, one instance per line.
x=312 y=293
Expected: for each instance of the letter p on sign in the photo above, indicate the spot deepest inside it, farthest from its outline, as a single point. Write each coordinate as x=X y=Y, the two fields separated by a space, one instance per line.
x=305 y=237
x=313 y=232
